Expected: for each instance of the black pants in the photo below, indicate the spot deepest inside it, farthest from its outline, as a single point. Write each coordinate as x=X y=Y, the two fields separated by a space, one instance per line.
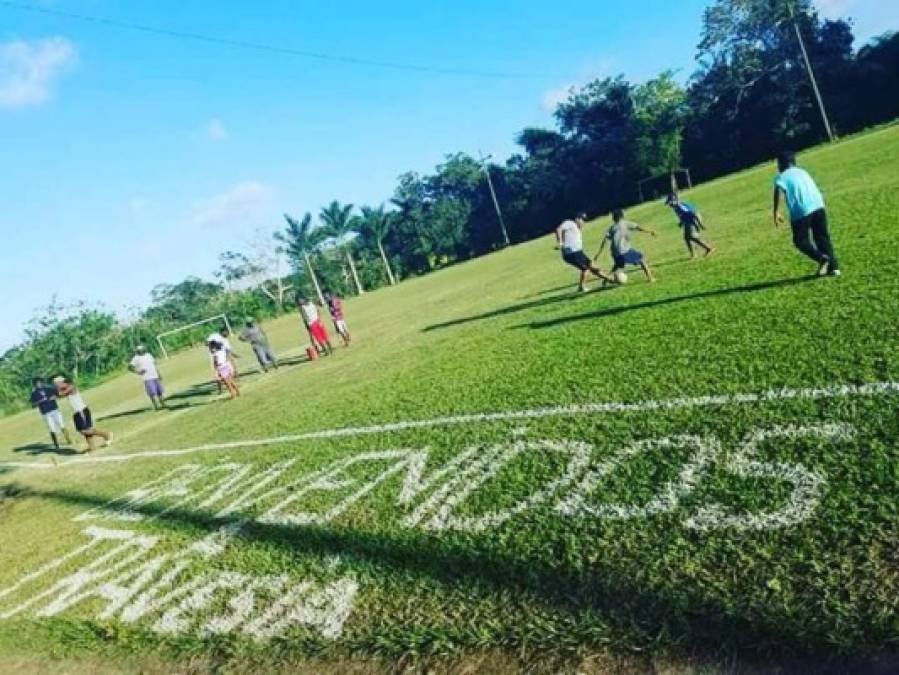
x=814 y=226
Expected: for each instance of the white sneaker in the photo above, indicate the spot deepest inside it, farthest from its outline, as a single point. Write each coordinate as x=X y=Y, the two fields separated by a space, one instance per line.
x=835 y=273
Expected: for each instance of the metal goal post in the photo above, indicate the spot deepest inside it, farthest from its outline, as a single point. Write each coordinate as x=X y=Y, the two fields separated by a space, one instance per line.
x=221 y=318
x=677 y=179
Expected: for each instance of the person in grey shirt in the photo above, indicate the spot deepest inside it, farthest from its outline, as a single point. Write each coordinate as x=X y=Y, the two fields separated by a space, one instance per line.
x=623 y=253
x=258 y=340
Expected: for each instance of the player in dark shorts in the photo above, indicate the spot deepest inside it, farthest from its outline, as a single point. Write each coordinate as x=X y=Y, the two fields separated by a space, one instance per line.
x=570 y=240
x=691 y=220
x=81 y=413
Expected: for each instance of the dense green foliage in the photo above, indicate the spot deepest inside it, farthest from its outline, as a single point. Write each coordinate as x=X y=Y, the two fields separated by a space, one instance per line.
x=749 y=98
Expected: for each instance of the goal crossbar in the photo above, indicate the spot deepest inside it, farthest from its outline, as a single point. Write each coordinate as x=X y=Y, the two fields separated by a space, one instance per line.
x=221 y=318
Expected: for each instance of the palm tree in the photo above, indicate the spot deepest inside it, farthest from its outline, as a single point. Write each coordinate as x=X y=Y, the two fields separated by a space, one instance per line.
x=299 y=239
x=374 y=225
x=339 y=224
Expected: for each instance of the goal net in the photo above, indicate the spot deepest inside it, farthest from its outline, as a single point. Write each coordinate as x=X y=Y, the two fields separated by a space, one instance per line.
x=191 y=334
x=656 y=187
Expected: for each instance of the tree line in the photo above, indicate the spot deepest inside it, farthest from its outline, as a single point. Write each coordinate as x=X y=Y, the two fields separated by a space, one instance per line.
x=749 y=98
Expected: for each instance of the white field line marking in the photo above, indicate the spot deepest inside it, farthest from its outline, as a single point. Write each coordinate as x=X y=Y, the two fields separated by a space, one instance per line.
x=602 y=408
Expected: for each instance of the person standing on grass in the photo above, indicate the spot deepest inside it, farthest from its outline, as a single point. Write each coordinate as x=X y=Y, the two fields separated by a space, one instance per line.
x=570 y=240
x=44 y=399
x=258 y=340
x=81 y=414
x=335 y=307
x=623 y=253
x=808 y=215
x=691 y=220
x=221 y=336
x=317 y=332
x=144 y=365
x=224 y=370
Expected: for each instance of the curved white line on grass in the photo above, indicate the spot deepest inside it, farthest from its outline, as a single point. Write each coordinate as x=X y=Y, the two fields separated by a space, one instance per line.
x=602 y=408
x=807 y=484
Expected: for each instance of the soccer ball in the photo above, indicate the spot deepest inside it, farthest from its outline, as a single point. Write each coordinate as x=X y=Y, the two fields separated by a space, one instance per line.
x=621 y=277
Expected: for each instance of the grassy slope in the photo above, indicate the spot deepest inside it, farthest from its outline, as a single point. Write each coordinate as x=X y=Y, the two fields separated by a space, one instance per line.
x=506 y=332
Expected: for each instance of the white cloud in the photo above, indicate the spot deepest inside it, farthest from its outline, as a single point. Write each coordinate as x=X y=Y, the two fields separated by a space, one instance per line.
x=28 y=70
x=216 y=131
x=240 y=203
x=553 y=97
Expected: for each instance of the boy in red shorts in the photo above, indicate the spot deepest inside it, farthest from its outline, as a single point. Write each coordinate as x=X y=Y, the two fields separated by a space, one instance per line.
x=316 y=328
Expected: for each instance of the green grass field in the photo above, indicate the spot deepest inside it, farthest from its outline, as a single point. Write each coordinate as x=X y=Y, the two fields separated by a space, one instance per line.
x=678 y=527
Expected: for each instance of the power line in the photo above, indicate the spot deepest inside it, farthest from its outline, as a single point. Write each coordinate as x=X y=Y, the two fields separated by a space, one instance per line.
x=256 y=46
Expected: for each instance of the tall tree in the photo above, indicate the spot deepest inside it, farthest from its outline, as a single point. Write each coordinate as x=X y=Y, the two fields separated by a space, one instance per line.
x=375 y=225
x=340 y=224
x=300 y=239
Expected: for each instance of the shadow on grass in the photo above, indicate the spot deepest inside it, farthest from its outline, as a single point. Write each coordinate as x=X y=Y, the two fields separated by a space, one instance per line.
x=650 y=304
x=597 y=603
x=125 y=413
x=572 y=296
x=44 y=449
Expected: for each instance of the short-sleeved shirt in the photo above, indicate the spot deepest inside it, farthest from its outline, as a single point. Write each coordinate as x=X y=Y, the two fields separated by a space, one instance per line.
x=802 y=193
x=335 y=305
x=220 y=357
x=620 y=236
x=221 y=339
x=145 y=365
x=571 y=236
x=44 y=399
x=310 y=312
x=686 y=212
x=254 y=335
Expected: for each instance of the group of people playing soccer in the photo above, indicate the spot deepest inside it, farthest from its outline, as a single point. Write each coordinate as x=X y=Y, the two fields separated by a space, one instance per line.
x=793 y=187
x=45 y=397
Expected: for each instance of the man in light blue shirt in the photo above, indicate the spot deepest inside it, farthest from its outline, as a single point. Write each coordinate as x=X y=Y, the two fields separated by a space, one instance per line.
x=808 y=216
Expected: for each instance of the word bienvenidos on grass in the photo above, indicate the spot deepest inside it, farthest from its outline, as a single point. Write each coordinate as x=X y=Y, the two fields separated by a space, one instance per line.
x=134 y=576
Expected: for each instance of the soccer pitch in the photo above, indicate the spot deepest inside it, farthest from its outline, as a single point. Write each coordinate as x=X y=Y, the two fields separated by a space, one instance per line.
x=703 y=465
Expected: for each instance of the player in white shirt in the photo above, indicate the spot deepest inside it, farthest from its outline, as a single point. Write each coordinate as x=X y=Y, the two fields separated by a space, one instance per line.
x=144 y=365
x=81 y=414
x=570 y=239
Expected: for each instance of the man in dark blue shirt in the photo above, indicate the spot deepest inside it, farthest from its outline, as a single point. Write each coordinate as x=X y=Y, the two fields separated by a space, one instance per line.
x=43 y=398
x=691 y=221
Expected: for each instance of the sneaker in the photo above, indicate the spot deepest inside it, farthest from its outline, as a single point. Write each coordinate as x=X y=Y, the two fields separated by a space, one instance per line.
x=111 y=439
x=824 y=267
x=835 y=273
x=583 y=289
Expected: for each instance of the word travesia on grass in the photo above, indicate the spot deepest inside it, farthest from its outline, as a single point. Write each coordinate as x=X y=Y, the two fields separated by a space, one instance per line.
x=179 y=593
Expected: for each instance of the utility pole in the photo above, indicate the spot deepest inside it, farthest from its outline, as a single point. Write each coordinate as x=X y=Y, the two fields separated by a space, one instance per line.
x=811 y=73
x=499 y=213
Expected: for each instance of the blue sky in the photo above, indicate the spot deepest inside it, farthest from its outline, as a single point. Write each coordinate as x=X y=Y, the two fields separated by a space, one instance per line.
x=132 y=159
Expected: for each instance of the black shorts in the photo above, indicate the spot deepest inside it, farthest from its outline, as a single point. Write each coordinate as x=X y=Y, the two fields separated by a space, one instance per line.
x=83 y=421
x=691 y=232
x=577 y=259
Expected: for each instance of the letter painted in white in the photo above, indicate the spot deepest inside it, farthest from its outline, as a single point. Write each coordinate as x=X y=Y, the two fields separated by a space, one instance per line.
x=806 y=483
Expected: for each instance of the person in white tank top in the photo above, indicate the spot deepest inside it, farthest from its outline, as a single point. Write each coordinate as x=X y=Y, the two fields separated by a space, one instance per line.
x=81 y=413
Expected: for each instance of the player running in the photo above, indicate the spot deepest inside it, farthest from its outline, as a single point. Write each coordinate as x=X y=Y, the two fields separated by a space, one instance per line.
x=81 y=414
x=691 y=220
x=570 y=239
x=623 y=253
x=807 y=213
x=335 y=307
